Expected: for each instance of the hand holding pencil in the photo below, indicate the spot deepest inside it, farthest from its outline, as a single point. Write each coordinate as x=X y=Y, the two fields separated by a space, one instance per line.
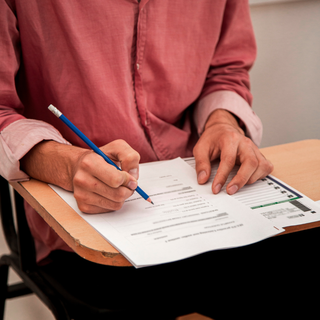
x=112 y=179
x=100 y=187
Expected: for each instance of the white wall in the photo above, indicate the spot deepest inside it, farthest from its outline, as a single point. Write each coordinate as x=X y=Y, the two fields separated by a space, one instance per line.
x=253 y=2
x=286 y=76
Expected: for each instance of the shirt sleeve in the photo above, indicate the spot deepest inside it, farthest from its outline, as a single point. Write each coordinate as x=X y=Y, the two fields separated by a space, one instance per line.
x=234 y=103
x=11 y=108
x=17 y=139
x=234 y=54
x=17 y=134
x=227 y=84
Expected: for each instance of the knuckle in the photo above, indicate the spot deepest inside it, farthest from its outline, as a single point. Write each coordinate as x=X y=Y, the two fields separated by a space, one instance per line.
x=253 y=162
x=86 y=162
x=119 y=144
x=77 y=180
x=251 y=180
x=116 y=180
x=82 y=198
x=201 y=165
x=200 y=146
x=112 y=205
x=270 y=167
x=266 y=166
x=229 y=160
x=233 y=135
x=242 y=180
x=221 y=176
x=117 y=206
x=83 y=207
x=81 y=181
x=196 y=149
x=133 y=156
x=248 y=141
x=121 y=195
x=202 y=162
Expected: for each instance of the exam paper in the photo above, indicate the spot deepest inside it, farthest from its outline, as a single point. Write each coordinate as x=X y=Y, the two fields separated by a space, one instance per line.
x=272 y=199
x=185 y=220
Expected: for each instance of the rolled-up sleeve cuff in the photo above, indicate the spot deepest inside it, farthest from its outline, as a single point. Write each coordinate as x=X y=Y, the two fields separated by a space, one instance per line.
x=17 y=139
x=234 y=103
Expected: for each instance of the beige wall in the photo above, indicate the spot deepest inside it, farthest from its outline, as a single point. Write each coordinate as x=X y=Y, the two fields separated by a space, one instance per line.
x=286 y=76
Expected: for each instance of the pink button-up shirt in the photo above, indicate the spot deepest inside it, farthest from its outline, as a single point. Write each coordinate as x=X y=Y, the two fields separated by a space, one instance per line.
x=148 y=72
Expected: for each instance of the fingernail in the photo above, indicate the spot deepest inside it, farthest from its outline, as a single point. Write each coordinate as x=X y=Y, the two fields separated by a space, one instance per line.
x=217 y=188
x=202 y=176
x=233 y=189
x=134 y=172
x=132 y=185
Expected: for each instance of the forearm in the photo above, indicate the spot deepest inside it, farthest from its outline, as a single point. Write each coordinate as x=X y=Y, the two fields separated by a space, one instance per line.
x=52 y=162
x=224 y=117
x=235 y=104
x=17 y=139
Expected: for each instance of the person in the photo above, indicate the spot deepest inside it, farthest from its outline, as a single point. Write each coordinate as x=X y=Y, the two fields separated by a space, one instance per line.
x=144 y=80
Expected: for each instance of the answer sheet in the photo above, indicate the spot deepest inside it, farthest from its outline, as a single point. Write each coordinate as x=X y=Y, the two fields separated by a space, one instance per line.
x=185 y=220
x=273 y=199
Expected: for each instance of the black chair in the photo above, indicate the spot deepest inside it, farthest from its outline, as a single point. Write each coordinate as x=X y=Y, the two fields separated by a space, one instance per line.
x=42 y=281
x=22 y=258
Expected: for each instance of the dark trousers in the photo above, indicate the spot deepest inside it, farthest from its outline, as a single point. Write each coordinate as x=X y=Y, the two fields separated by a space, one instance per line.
x=277 y=278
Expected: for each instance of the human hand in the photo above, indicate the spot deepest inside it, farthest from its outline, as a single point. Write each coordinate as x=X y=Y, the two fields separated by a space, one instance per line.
x=97 y=186
x=224 y=138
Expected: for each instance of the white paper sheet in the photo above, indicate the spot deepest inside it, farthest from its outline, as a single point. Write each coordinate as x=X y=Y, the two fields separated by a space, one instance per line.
x=273 y=199
x=185 y=220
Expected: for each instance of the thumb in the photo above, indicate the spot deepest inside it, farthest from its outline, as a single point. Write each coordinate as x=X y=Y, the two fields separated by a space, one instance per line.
x=127 y=180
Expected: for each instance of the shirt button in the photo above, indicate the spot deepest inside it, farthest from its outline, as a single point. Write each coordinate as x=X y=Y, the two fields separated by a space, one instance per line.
x=138 y=66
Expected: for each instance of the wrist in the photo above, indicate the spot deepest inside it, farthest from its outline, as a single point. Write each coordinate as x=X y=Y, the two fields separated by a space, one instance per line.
x=52 y=162
x=223 y=117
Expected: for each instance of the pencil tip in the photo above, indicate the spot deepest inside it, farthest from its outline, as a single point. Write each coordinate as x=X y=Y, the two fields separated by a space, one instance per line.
x=149 y=200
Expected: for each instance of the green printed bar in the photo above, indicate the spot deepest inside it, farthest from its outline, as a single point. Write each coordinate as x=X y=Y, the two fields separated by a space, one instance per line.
x=271 y=204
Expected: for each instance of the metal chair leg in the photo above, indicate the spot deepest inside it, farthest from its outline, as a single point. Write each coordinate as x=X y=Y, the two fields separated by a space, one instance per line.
x=4 y=270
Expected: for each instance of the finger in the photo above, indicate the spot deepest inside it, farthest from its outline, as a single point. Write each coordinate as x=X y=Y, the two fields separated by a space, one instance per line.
x=121 y=152
x=265 y=167
x=90 y=202
x=203 y=154
x=101 y=186
x=254 y=168
x=109 y=188
x=115 y=178
x=227 y=163
x=246 y=170
x=97 y=167
x=91 y=194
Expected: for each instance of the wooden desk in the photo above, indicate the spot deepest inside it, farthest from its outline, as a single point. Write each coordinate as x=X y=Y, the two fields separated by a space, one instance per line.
x=297 y=164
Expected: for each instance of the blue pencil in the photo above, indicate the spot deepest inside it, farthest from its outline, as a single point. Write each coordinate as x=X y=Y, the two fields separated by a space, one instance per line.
x=59 y=114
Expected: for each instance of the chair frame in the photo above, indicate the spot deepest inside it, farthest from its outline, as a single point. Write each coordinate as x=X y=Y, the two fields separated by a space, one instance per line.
x=22 y=257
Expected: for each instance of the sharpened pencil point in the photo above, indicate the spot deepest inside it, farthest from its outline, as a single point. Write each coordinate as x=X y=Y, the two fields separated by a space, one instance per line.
x=149 y=200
